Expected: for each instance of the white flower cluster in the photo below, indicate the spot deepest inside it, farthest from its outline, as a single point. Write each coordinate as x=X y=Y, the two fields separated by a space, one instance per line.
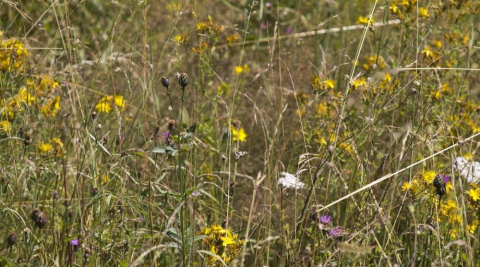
x=288 y=180
x=468 y=170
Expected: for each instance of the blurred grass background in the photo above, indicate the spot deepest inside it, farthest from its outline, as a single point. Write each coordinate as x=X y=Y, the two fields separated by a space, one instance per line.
x=104 y=165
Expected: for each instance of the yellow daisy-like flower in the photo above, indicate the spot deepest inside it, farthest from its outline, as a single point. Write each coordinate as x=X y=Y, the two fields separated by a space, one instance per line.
x=104 y=104
x=45 y=148
x=51 y=108
x=329 y=84
x=105 y=107
x=119 y=101
x=201 y=26
x=359 y=83
x=178 y=39
x=423 y=12
x=5 y=127
x=238 y=69
x=428 y=176
x=473 y=226
x=406 y=186
x=474 y=193
x=427 y=52
x=238 y=135
x=366 y=20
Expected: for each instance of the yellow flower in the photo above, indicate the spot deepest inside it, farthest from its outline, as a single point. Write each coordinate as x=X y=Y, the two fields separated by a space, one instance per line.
x=366 y=20
x=238 y=69
x=232 y=38
x=423 y=12
x=238 y=135
x=58 y=146
x=359 y=83
x=427 y=52
x=429 y=176
x=13 y=56
x=406 y=186
x=473 y=226
x=437 y=44
x=51 y=107
x=5 y=127
x=329 y=84
x=227 y=240
x=393 y=8
x=104 y=104
x=45 y=148
x=119 y=101
x=201 y=26
x=474 y=194
x=322 y=108
x=24 y=97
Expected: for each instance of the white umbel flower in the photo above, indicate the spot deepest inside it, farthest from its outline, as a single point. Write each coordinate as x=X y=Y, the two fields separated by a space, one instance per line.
x=468 y=170
x=288 y=180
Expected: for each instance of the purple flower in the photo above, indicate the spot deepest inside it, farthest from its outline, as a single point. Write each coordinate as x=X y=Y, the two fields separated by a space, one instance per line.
x=263 y=26
x=268 y=4
x=74 y=242
x=166 y=135
x=325 y=219
x=334 y=232
x=446 y=178
x=196 y=193
x=288 y=30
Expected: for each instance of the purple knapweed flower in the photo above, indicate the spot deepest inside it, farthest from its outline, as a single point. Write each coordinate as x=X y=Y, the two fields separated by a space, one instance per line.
x=196 y=193
x=268 y=5
x=446 y=178
x=166 y=135
x=74 y=242
x=325 y=219
x=334 y=232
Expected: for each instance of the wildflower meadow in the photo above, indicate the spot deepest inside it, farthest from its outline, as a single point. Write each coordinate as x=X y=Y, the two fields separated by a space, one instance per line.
x=239 y=133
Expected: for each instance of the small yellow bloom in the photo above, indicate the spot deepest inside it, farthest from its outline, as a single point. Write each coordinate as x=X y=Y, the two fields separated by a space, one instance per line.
x=178 y=39
x=238 y=69
x=366 y=20
x=474 y=194
x=119 y=101
x=232 y=38
x=329 y=84
x=428 y=176
x=427 y=52
x=45 y=148
x=51 y=108
x=473 y=226
x=437 y=44
x=201 y=26
x=238 y=135
x=423 y=12
x=5 y=127
x=393 y=8
x=406 y=186
x=359 y=83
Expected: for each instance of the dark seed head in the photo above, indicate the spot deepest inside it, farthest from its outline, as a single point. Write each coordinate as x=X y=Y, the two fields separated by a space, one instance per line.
x=171 y=125
x=86 y=255
x=11 y=239
x=183 y=80
x=165 y=82
x=93 y=115
x=439 y=184
x=39 y=218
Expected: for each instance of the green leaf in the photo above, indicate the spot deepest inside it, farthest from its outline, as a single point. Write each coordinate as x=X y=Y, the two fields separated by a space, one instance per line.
x=165 y=150
x=213 y=255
